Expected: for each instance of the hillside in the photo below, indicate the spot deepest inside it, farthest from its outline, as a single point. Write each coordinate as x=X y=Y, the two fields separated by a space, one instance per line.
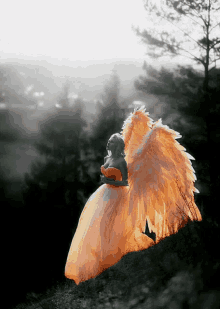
x=179 y=272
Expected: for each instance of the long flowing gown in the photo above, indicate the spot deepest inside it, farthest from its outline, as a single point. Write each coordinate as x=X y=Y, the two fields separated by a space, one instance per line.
x=161 y=191
x=105 y=231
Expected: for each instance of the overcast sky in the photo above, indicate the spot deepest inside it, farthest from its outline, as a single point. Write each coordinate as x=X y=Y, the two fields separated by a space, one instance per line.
x=78 y=30
x=72 y=29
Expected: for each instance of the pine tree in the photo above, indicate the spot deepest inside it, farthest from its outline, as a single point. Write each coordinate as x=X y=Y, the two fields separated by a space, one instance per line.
x=109 y=118
x=190 y=29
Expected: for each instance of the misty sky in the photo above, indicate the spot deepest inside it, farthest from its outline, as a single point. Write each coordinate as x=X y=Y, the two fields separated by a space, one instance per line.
x=72 y=29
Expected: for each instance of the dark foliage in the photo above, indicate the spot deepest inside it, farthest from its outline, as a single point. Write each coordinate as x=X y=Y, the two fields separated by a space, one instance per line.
x=197 y=119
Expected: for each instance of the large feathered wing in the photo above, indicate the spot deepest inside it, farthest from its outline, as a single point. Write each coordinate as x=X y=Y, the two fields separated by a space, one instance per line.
x=161 y=180
x=134 y=129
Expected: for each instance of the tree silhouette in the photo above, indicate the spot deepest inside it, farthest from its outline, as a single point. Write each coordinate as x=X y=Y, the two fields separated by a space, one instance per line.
x=187 y=19
x=61 y=173
x=12 y=88
x=109 y=118
x=55 y=190
x=11 y=121
x=180 y=89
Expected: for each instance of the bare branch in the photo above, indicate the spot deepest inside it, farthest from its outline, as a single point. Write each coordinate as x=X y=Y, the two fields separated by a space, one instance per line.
x=168 y=44
x=194 y=57
x=193 y=14
x=216 y=43
x=147 y=38
x=217 y=59
x=193 y=19
x=209 y=17
x=190 y=7
x=184 y=33
x=214 y=26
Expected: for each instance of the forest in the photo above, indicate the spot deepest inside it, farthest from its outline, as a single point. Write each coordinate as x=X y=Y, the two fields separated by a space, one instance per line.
x=43 y=209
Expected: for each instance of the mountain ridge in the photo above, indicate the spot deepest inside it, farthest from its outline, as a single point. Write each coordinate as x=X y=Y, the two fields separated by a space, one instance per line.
x=89 y=80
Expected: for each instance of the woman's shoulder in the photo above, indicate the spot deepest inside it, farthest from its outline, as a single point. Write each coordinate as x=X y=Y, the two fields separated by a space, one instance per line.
x=117 y=163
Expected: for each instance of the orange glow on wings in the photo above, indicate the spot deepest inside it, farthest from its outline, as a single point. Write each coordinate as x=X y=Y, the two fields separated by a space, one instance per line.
x=161 y=187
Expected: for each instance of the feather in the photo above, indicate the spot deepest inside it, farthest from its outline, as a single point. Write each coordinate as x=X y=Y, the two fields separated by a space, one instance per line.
x=133 y=130
x=160 y=176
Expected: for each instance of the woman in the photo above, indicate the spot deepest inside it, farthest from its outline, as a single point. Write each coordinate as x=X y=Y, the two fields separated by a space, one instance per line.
x=103 y=234
x=113 y=220
x=115 y=147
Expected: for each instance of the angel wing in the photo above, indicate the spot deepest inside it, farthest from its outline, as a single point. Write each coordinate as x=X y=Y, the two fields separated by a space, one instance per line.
x=134 y=128
x=161 y=177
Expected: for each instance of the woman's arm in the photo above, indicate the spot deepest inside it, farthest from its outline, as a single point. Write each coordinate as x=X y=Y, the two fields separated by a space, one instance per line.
x=113 y=182
x=124 y=170
x=106 y=180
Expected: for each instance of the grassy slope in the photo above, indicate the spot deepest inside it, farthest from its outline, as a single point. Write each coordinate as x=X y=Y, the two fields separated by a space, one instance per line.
x=179 y=272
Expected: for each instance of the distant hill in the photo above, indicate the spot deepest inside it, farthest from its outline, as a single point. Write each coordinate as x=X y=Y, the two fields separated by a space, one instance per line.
x=86 y=79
